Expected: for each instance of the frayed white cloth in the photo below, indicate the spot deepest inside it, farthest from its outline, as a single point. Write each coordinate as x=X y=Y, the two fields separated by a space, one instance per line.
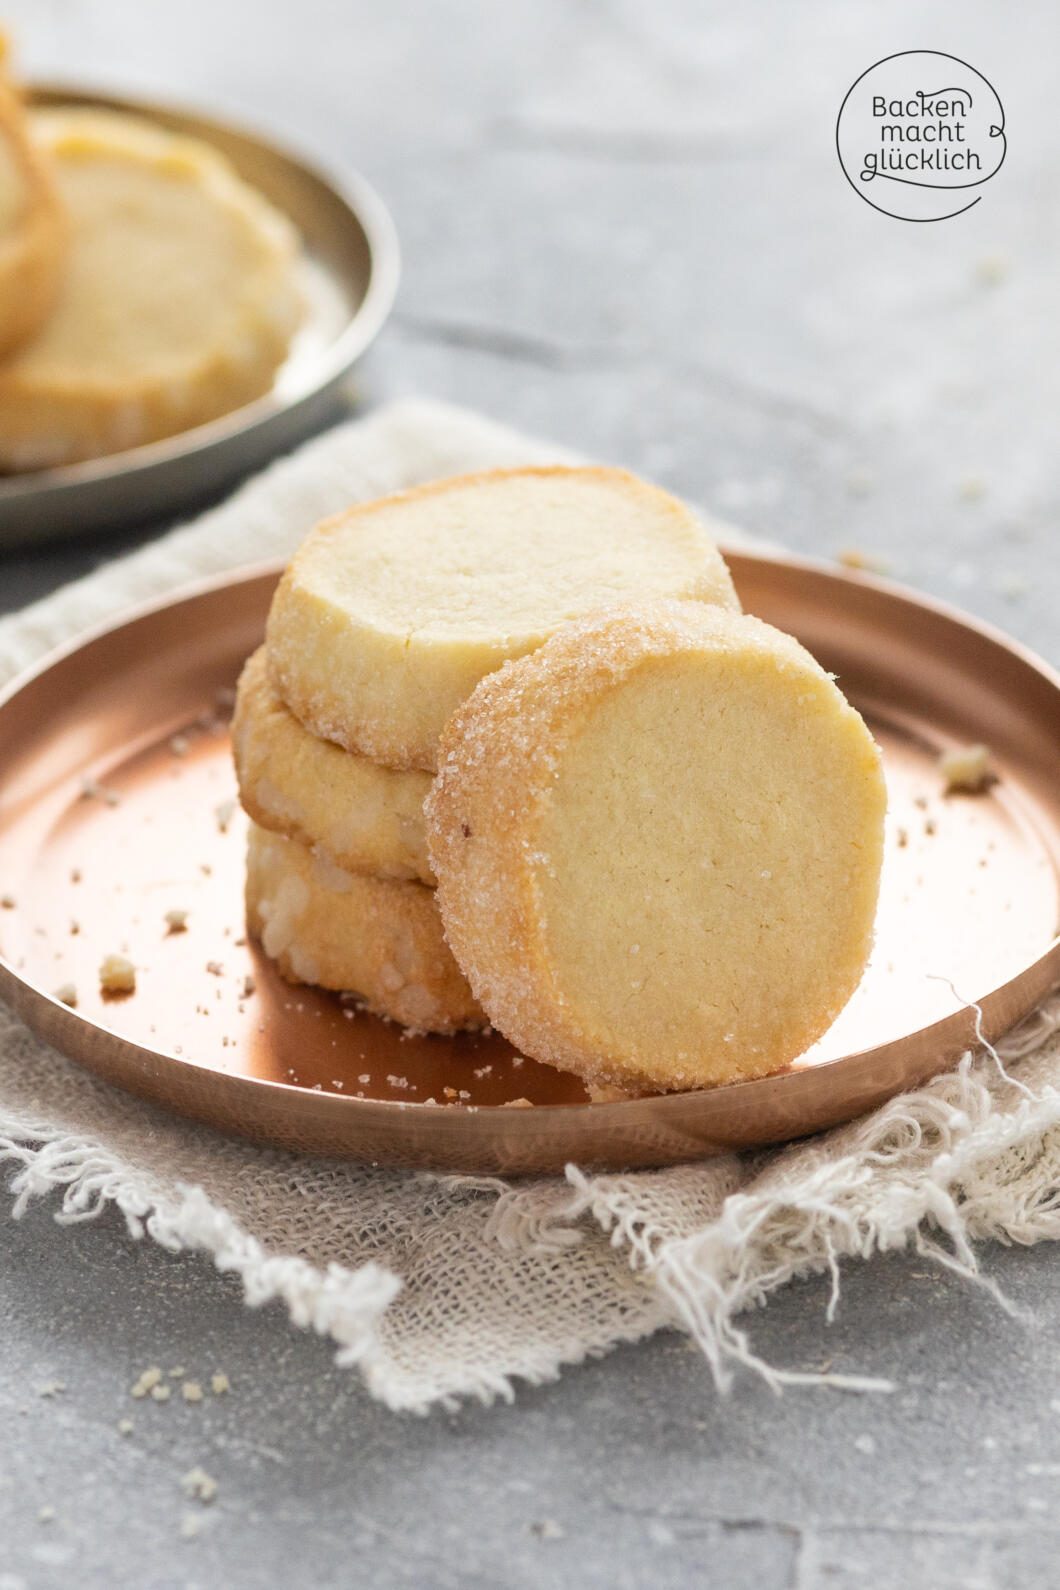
x=442 y=1287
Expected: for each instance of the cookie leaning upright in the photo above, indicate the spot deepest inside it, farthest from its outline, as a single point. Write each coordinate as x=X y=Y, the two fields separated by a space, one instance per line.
x=178 y=303
x=391 y=613
x=658 y=844
x=33 y=229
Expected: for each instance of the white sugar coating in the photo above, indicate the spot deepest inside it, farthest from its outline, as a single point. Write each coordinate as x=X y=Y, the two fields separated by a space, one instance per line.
x=178 y=303
x=365 y=817
x=676 y=777
x=375 y=937
x=391 y=613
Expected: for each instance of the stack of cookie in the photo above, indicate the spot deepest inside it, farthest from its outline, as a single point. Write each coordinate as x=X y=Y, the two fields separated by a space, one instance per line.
x=384 y=623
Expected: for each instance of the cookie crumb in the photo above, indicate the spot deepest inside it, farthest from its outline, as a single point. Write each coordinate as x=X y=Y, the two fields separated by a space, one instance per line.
x=92 y=790
x=224 y=814
x=125 y=1427
x=51 y=1388
x=249 y=985
x=176 y=921
x=190 y=1526
x=547 y=1529
x=191 y=1391
x=117 y=975
x=220 y=1383
x=972 y=488
x=198 y=1485
x=866 y=562
x=215 y=968
x=180 y=745
x=517 y=1104
x=161 y=1393
x=8 y=902
x=966 y=769
x=146 y=1382
x=66 y=994
x=992 y=271
x=45 y=1514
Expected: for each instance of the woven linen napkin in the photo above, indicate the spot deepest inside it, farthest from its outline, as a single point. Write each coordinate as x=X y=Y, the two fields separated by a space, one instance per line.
x=443 y=1287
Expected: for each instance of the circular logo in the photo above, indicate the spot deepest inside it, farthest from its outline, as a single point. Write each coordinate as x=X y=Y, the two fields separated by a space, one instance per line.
x=919 y=133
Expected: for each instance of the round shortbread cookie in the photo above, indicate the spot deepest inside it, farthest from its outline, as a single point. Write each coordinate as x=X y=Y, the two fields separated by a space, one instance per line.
x=391 y=613
x=658 y=844
x=33 y=231
x=366 y=818
x=373 y=937
x=178 y=303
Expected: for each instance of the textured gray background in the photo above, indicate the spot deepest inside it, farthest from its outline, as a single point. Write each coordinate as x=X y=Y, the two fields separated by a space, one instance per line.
x=623 y=226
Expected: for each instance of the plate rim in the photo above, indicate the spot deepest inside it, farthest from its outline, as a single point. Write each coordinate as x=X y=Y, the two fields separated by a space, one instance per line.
x=949 y=1031
x=354 y=192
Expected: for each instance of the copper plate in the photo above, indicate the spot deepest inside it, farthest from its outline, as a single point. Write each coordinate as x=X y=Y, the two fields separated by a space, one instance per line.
x=969 y=909
x=349 y=277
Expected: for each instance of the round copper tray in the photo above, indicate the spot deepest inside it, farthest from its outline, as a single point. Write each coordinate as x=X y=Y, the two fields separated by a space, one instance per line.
x=969 y=908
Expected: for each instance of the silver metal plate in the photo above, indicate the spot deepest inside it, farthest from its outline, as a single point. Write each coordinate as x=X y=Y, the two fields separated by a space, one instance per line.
x=350 y=278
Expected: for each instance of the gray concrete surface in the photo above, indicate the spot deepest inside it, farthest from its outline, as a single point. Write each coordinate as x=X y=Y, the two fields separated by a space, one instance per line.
x=623 y=226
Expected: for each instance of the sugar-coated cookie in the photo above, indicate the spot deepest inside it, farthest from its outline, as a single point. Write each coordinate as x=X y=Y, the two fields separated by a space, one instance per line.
x=658 y=843
x=366 y=818
x=374 y=937
x=33 y=231
x=391 y=613
x=177 y=305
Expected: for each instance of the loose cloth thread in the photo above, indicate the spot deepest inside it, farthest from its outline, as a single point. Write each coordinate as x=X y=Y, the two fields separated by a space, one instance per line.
x=438 y=1288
